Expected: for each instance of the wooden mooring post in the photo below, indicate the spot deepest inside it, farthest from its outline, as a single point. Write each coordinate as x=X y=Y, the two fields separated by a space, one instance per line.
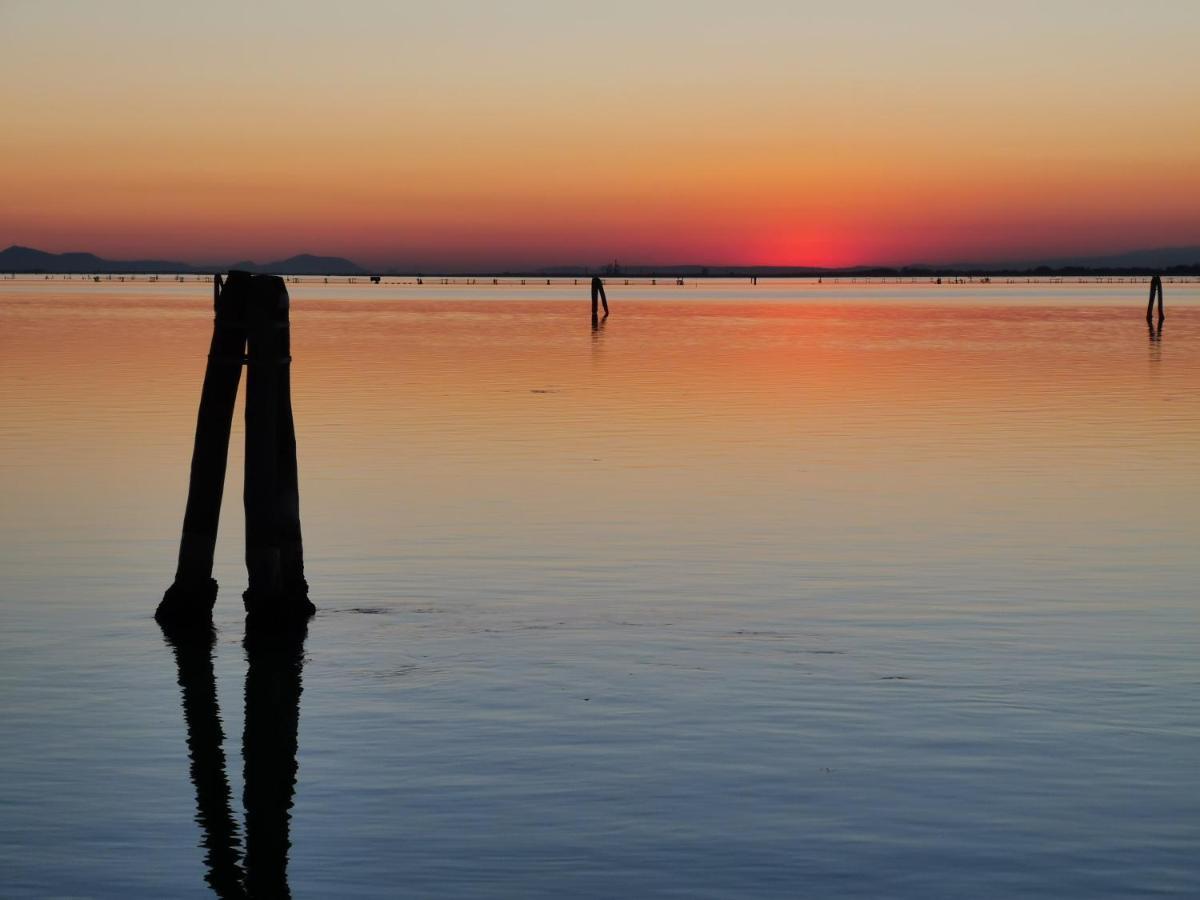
x=1156 y=288
x=251 y=327
x=598 y=294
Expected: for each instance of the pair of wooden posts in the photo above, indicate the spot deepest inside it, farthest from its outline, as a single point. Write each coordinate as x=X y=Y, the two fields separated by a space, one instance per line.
x=250 y=328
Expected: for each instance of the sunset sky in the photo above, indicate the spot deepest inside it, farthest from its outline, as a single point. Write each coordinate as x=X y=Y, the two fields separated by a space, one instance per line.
x=527 y=133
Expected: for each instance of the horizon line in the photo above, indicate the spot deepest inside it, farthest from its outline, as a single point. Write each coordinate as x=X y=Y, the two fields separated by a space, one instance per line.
x=308 y=263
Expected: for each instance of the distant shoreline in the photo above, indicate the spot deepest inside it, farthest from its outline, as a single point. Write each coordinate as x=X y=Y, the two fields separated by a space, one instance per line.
x=1180 y=275
x=17 y=260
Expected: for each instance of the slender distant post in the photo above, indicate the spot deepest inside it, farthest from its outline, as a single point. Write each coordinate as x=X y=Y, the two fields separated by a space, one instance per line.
x=194 y=592
x=1155 y=288
x=598 y=294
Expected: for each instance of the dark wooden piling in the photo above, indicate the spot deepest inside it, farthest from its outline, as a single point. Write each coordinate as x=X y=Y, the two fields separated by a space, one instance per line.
x=194 y=591
x=277 y=591
x=252 y=326
x=1156 y=289
x=598 y=295
x=263 y=362
x=287 y=489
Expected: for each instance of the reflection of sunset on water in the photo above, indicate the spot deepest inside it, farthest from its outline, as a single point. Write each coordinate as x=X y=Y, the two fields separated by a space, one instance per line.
x=738 y=558
x=409 y=408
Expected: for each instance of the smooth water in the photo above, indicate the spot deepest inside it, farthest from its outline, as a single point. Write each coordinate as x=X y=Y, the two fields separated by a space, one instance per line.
x=795 y=590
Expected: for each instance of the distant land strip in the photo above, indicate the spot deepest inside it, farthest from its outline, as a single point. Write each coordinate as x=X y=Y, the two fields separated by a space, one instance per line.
x=1170 y=261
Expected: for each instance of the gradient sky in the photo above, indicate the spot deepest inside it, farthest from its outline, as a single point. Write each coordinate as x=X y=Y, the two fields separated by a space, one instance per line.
x=528 y=133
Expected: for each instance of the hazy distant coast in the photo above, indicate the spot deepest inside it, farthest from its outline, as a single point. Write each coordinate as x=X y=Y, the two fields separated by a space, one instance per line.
x=1161 y=261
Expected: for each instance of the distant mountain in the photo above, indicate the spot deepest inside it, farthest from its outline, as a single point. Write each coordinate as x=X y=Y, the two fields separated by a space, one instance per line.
x=27 y=259
x=307 y=264
x=301 y=264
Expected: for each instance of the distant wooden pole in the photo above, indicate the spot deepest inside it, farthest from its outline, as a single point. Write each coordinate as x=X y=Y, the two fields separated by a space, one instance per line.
x=1155 y=288
x=194 y=592
x=598 y=295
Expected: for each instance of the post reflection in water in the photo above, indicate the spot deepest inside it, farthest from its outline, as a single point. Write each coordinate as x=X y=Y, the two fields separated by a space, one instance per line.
x=269 y=746
x=1156 y=330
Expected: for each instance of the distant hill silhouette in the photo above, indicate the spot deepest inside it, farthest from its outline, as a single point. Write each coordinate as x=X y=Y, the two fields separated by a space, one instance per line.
x=306 y=264
x=27 y=259
x=1164 y=260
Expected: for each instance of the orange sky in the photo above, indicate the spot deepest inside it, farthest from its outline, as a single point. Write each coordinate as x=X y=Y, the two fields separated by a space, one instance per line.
x=532 y=133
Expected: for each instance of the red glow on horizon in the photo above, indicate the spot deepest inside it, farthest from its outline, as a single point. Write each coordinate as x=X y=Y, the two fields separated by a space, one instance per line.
x=812 y=248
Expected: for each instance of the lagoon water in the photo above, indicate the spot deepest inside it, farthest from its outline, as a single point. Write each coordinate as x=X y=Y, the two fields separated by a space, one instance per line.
x=790 y=590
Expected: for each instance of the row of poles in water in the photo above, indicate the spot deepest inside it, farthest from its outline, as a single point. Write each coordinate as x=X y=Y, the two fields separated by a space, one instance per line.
x=251 y=328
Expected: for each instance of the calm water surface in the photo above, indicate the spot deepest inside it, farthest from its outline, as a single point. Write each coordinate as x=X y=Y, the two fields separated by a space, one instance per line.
x=876 y=591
